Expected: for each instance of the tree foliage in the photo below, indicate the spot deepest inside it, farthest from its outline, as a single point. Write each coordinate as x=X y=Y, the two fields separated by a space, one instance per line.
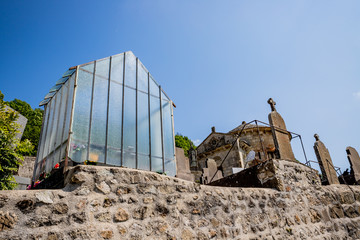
x=9 y=158
x=33 y=126
x=184 y=142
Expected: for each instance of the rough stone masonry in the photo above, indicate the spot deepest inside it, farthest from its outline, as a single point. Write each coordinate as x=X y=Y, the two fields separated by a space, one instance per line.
x=119 y=203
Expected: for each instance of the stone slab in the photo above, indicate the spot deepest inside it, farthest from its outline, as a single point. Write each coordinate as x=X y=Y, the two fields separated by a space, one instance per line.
x=325 y=162
x=354 y=160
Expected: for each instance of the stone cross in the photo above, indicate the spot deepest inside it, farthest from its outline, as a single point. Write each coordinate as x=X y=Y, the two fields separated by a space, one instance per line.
x=354 y=160
x=272 y=104
x=280 y=135
x=325 y=162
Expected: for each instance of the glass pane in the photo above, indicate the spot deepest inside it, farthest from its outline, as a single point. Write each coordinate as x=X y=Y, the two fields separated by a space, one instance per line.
x=142 y=78
x=99 y=112
x=81 y=118
x=170 y=167
x=114 y=124
x=143 y=123
x=54 y=129
x=163 y=96
x=156 y=149
x=168 y=131
x=156 y=164
x=43 y=102
x=49 y=128
x=89 y=67
x=62 y=80
x=69 y=72
x=55 y=88
x=49 y=95
x=60 y=125
x=48 y=163
x=129 y=126
x=154 y=88
x=143 y=162
x=69 y=84
x=130 y=70
x=117 y=68
x=129 y=159
x=43 y=132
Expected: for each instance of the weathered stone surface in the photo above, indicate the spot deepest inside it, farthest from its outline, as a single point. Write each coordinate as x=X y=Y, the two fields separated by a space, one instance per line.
x=325 y=162
x=7 y=220
x=280 y=135
x=354 y=160
x=45 y=196
x=121 y=215
x=103 y=187
x=169 y=208
x=61 y=208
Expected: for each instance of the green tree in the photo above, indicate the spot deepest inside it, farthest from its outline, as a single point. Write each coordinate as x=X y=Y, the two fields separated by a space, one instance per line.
x=9 y=158
x=184 y=142
x=33 y=126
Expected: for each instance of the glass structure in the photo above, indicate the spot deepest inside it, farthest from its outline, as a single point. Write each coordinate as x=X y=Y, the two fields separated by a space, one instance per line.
x=110 y=111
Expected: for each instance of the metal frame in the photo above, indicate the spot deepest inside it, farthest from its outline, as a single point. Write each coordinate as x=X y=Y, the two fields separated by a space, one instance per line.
x=264 y=152
x=162 y=131
x=107 y=113
x=91 y=109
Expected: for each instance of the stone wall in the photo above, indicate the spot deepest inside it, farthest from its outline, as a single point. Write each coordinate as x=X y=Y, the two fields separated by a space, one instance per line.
x=119 y=203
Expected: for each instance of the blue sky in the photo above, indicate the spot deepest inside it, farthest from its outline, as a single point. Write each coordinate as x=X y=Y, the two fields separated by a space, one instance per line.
x=219 y=61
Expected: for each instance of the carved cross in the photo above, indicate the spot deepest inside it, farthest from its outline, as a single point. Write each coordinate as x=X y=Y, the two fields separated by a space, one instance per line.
x=316 y=137
x=272 y=104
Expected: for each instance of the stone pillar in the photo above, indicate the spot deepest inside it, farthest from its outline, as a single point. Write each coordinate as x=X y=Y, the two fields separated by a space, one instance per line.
x=354 y=160
x=325 y=162
x=280 y=135
x=183 y=166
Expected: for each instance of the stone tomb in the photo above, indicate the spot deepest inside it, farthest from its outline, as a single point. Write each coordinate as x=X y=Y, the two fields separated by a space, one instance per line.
x=325 y=163
x=209 y=172
x=354 y=160
x=183 y=166
x=280 y=134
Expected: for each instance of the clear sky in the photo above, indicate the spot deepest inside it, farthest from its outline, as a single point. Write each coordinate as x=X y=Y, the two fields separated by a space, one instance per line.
x=219 y=61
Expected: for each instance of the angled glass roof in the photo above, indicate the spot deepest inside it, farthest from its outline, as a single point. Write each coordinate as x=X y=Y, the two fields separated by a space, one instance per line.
x=116 y=59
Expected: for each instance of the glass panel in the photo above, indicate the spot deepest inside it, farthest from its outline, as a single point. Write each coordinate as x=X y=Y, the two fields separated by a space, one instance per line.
x=55 y=88
x=154 y=88
x=99 y=112
x=69 y=72
x=130 y=70
x=81 y=118
x=69 y=84
x=62 y=152
x=114 y=124
x=62 y=80
x=129 y=159
x=170 y=167
x=163 y=96
x=129 y=126
x=156 y=164
x=168 y=131
x=57 y=99
x=156 y=149
x=49 y=128
x=48 y=163
x=142 y=78
x=60 y=126
x=143 y=123
x=143 y=162
x=117 y=67
x=49 y=95
x=43 y=102
x=43 y=133
x=89 y=67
